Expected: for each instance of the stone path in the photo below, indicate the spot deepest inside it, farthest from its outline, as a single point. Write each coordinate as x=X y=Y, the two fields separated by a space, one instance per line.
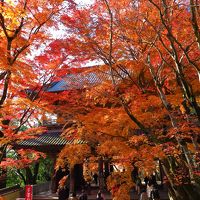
x=92 y=196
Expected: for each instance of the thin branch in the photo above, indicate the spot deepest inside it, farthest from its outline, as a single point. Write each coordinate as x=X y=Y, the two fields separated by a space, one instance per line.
x=5 y=90
x=123 y=101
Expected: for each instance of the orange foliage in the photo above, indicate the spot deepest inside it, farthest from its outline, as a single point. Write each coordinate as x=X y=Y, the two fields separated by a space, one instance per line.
x=157 y=53
x=67 y=155
x=24 y=28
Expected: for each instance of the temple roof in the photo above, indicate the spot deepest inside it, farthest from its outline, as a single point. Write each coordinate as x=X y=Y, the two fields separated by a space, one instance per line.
x=77 y=81
x=50 y=141
x=47 y=138
x=85 y=77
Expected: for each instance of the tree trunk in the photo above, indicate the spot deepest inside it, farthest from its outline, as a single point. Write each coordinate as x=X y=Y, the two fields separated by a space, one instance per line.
x=101 y=179
x=31 y=177
x=185 y=192
x=182 y=191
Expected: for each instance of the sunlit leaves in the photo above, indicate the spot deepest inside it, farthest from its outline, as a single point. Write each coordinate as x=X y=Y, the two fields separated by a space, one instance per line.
x=119 y=183
x=23 y=159
x=146 y=38
x=24 y=27
x=114 y=148
x=73 y=154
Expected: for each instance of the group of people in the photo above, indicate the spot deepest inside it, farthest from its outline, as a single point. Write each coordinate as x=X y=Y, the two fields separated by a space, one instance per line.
x=63 y=195
x=147 y=192
x=150 y=192
x=72 y=196
x=83 y=196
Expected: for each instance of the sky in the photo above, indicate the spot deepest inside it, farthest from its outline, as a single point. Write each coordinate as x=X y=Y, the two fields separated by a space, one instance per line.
x=84 y=1
x=57 y=34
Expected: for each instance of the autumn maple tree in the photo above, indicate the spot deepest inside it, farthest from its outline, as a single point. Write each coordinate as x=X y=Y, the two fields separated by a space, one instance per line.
x=143 y=107
x=150 y=104
x=25 y=28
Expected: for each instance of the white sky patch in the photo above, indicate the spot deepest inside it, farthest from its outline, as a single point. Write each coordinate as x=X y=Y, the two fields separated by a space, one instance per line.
x=60 y=33
x=84 y=2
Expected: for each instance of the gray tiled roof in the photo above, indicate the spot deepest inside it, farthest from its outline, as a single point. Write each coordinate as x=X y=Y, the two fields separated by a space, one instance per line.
x=83 y=79
x=49 y=138
x=80 y=80
x=77 y=81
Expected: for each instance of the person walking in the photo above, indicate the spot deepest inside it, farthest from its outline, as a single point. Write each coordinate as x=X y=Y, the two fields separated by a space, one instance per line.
x=153 y=180
x=155 y=194
x=100 y=196
x=146 y=180
x=72 y=196
x=143 y=195
x=95 y=177
x=63 y=193
x=63 y=190
x=83 y=196
x=138 y=184
x=149 y=189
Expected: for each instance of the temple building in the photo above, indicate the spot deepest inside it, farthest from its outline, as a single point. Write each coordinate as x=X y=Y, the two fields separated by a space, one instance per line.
x=51 y=142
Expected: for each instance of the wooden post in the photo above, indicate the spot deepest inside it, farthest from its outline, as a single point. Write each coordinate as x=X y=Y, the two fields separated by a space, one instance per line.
x=101 y=178
x=54 y=185
x=72 y=181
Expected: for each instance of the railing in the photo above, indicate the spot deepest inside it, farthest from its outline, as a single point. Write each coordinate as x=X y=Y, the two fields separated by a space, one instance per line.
x=16 y=192
x=42 y=187
x=11 y=193
x=9 y=189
